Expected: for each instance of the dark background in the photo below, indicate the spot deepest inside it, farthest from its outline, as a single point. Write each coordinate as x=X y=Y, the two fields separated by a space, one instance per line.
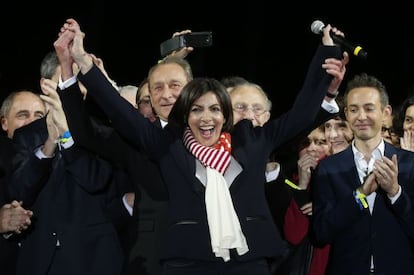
x=267 y=42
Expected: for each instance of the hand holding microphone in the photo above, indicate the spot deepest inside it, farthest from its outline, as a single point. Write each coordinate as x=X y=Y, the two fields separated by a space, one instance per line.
x=336 y=67
x=318 y=26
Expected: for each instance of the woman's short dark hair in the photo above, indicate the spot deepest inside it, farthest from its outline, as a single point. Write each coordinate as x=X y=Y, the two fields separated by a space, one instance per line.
x=194 y=90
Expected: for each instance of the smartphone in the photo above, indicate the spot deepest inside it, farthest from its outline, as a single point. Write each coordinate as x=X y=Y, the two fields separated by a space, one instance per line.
x=192 y=39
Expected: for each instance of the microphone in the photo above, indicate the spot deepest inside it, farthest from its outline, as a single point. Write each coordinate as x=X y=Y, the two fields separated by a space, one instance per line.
x=317 y=28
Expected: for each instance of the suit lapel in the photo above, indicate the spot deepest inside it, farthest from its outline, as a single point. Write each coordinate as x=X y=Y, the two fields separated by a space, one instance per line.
x=187 y=164
x=351 y=167
x=389 y=150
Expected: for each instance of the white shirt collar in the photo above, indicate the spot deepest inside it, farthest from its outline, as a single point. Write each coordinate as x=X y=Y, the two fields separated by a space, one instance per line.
x=362 y=165
x=163 y=123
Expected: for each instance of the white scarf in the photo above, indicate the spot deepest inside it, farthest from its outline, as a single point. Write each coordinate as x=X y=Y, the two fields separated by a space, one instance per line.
x=224 y=225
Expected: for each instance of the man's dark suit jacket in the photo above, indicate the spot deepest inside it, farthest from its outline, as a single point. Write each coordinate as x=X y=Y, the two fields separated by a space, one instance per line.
x=8 y=247
x=152 y=219
x=65 y=194
x=188 y=234
x=141 y=233
x=355 y=234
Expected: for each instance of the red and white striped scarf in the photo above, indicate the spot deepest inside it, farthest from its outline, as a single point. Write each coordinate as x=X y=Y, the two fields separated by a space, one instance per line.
x=217 y=157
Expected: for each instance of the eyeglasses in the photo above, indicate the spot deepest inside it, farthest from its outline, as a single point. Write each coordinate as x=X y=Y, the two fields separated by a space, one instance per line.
x=144 y=102
x=389 y=130
x=243 y=108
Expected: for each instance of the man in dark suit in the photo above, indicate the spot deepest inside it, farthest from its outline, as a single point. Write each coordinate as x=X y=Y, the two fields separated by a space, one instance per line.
x=165 y=82
x=63 y=185
x=92 y=131
x=364 y=195
x=151 y=196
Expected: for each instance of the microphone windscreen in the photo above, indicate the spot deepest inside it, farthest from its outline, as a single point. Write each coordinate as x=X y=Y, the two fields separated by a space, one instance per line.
x=317 y=27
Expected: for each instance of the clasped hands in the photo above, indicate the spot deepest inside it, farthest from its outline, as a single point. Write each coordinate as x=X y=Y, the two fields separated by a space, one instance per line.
x=384 y=176
x=14 y=218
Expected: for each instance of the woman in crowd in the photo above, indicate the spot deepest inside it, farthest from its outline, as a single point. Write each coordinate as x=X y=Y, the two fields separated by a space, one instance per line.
x=219 y=219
